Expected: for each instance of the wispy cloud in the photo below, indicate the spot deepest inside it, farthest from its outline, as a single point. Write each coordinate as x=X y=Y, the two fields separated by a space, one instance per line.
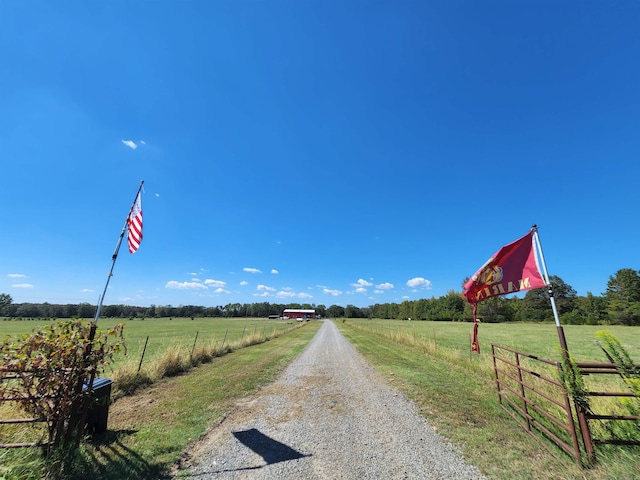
x=334 y=293
x=214 y=283
x=22 y=285
x=274 y=271
x=285 y=294
x=265 y=288
x=304 y=295
x=251 y=270
x=173 y=284
x=221 y=290
x=87 y=290
x=419 y=283
x=16 y=275
x=130 y=143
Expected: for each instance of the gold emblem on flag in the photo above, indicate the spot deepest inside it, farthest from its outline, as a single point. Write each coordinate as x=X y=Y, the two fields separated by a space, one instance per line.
x=490 y=275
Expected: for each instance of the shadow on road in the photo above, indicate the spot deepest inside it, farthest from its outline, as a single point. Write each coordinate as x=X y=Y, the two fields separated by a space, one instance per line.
x=272 y=451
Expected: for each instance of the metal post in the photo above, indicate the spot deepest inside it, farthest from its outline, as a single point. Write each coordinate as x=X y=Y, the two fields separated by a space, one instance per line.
x=144 y=349
x=587 y=439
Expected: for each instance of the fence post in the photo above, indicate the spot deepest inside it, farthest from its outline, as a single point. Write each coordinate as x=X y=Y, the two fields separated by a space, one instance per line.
x=523 y=393
x=142 y=356
x=194 y=346
x=224 y=339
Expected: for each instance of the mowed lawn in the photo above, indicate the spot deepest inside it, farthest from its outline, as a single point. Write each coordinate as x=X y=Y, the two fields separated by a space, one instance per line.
x=166 y=333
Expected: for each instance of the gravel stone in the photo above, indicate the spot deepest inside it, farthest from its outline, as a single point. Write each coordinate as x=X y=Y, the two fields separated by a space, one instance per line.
x=330 y=415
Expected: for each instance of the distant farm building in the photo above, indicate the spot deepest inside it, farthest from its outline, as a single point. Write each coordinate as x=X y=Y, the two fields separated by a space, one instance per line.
x=301 y=314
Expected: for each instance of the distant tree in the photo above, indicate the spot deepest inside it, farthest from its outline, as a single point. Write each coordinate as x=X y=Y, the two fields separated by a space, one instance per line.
x=623 y=297
x=351 y=311
x=592 y=310
x=536 y=305
x=86 y=310
x=5 y=300
x=335 y=311
x=406 y=310
x=496 y=310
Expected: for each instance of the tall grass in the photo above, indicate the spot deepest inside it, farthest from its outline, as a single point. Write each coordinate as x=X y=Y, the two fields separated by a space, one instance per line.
x=449 y=344
x=176 y=359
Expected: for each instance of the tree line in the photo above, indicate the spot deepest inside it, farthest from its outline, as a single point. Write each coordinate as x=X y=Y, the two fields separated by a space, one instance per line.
x=619 y=305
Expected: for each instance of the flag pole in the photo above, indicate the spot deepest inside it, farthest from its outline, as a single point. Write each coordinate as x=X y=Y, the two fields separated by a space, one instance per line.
x=585 y=430
x=561 y=337
x=115 y=255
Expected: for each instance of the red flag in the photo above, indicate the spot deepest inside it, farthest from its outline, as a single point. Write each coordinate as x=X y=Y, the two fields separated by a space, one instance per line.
x=512 y=269
x=134 y=222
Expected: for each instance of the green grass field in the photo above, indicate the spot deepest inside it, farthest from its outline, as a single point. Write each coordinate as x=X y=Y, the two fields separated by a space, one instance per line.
x=429 y=362
x=166 y=333
x=457 y=393
x=533 y=338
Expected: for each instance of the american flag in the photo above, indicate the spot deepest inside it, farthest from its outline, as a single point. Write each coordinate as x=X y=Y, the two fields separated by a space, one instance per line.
x=134 y=223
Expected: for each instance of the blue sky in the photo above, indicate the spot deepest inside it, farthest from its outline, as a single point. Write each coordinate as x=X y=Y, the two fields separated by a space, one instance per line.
x=320 y=152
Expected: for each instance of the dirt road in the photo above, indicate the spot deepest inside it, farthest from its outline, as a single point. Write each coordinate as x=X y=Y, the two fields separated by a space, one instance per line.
x=329 y=416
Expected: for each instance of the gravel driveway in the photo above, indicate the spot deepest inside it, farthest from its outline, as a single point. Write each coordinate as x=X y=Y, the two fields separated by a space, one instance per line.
x=329 y=416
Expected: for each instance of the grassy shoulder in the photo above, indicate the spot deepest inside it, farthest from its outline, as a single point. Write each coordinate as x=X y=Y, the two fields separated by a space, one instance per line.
x=463 y=406
x=148 y=432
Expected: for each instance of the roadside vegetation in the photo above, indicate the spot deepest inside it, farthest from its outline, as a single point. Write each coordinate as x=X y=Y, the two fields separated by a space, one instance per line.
x=192 y=401
x=455 y=390
x=429 y=362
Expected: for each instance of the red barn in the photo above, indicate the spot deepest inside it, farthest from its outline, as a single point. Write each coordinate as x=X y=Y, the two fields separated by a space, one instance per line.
x=301 y=314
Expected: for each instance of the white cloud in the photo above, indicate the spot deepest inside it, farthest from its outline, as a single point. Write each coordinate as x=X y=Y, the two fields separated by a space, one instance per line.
x=362 y=283
x=285 y=294
x=406 y=297
x=185 y=285
x=221 y=290
x=265 y=288
x=274 y=271
x=214 y=283
x=243 y=283
x=143 y=142
x=378 y=292
x=361 y=290
x=419 y=282
x=263 y=294
x=16 y=275
x=22 y=285
x=193 y=274
x=251 y=270
x=385 y=286
x=157 y=194
x=87 y=290
x=304 y=295
x=130 y=143
x=335 y=293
